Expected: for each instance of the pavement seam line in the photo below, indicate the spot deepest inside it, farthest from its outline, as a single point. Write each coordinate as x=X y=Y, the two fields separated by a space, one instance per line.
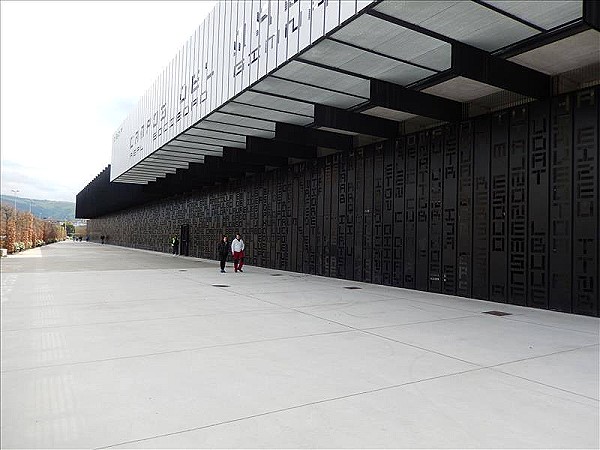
x=303 y=405
x=136 y=320
x=167 y=352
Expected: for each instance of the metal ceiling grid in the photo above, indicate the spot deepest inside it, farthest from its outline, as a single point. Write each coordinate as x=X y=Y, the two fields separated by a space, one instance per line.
x=464 y=21
x=330 y=79
x=344 y=57
x=546 y=14
x=385 y=38
x=301 y=91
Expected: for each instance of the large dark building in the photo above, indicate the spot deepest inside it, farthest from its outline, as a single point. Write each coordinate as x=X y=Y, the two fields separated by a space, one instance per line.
x=443 y=146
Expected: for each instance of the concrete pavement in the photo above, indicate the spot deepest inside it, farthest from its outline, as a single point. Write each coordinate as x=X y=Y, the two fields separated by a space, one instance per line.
x=111 y=347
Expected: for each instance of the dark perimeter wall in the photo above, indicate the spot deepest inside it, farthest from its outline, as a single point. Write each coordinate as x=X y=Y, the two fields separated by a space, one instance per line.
x=503 y=208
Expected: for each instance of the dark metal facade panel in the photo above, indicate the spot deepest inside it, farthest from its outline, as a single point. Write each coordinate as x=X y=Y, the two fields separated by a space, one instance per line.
x=481 y=206
x=387 y=249
x=561 y=204
x=320 y=193
x=326 y=248
x=585 y=203
x=510 y=203
x=410 y=211
x=307 y=254
x=333 y=241
x=341 y=224
x=378 y=180
x=498 y=231
x=422 y=227
x=342 y=203
x=359 y=183
x=436 y=224
x=517 y=206
x=538 y=204
x=314 y=225
x=350 y=212
x=450 y=196
x=367 y=251
x=465 y=209
x=398 y=223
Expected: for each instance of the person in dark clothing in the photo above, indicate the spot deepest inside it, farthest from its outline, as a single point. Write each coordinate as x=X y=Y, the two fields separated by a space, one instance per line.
x=102 y=238
x=223 y=249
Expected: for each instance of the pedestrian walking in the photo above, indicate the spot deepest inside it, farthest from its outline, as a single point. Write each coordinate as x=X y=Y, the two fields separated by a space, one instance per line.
x=102 y=238
x=175 y=245
x=223 y=249
x=237 y=250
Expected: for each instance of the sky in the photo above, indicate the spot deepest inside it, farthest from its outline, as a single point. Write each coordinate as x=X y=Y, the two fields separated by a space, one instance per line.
x=70 y=73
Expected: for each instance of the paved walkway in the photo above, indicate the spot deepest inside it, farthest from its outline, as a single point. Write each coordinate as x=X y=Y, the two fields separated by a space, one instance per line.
x=110 y=347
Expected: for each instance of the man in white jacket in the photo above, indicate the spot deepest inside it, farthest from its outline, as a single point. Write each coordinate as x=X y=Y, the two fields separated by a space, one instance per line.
x=237 y=249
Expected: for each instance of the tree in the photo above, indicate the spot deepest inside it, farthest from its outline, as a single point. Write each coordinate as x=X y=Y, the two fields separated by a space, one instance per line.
x=70 y=228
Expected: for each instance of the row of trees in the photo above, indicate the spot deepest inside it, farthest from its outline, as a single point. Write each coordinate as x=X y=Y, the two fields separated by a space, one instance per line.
x=23 y=230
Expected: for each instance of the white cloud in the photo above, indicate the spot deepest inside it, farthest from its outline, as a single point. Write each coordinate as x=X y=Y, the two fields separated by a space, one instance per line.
x=71 y=72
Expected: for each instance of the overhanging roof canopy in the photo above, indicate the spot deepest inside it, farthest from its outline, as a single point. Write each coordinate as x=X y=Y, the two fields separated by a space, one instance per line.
x=252 y=67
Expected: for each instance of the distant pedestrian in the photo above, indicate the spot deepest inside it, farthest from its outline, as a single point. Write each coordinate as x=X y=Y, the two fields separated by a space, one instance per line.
x=223 y=250
x=102 y=239
x=175 y=245
x=237 y=250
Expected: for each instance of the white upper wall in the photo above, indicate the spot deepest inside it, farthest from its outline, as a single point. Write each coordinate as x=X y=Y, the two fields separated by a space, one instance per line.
x=238 y=43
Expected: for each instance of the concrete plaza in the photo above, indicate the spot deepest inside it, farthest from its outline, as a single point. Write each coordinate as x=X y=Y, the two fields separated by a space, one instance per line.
x=104 y=346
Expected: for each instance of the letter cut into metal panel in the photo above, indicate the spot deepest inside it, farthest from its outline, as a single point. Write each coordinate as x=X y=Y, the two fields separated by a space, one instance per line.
x=292 y=29
x=296 y=252
x=307 y=250
x=304 y=25
x=255 y=52
x=320 y=200
x=368 y=217
x=585 y=203
x=317 y=24
x=378 y=179
x=435 y=209
x=481 y=197
x=517 y=213
x=398 y=231
x=335 y=174
x=387 y=249
x=450 y=177
x=268 y=30
x=314 y=173
x=561 y=203
x=410 y=210
x=359 y=213
x=539 y=169
x=350 y=205
x=342 y=200
x=465 y=209
x=422 y=271
x=327 y=187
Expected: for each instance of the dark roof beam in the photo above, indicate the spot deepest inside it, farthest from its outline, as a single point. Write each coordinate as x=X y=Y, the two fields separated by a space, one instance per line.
x=312 y=137
x=271 y=147
x=241 y=156
x=339 y=119
x=478 y=65
x=398 y=98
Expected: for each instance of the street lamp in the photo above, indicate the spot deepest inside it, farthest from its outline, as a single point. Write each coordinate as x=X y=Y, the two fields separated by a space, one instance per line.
x=15 y=192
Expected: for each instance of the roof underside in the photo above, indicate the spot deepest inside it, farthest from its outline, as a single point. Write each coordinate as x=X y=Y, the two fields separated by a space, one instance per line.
x=407 y=44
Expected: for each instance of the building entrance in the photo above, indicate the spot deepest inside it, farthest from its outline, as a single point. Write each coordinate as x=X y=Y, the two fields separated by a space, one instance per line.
x=184 y=246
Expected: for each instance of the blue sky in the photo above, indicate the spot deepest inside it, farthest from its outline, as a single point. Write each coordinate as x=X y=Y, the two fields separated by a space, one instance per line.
x=70 y=73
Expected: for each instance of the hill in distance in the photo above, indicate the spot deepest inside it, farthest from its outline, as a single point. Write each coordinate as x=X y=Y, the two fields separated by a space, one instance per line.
x=44 y=209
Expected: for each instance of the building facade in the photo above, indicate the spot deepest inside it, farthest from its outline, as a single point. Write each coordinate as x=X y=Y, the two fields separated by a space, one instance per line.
x=448 y=147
